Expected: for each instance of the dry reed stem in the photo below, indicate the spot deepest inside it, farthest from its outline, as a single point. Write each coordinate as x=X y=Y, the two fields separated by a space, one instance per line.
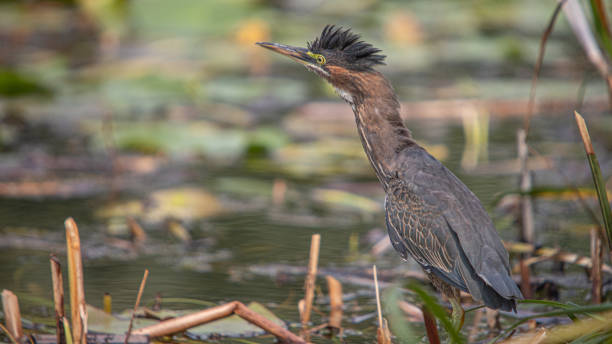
x=378 y=307
x=527 y=233
x=526 y=209
x=311 y=277
x=525 y=278
x=78 y=307
x=584 y=133
x=538 y=66
x=168 y=327
x=10 y=336
x=137 y=235
x=430 y=326
x=136 y=304
x=279 y=191
x=335 y=302
x=596 y=258
x=383 y=335
x=12 y=315
x=58 y=296
x=600 y=186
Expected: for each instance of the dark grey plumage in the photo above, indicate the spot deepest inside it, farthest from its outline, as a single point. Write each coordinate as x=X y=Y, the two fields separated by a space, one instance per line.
x=435 y=218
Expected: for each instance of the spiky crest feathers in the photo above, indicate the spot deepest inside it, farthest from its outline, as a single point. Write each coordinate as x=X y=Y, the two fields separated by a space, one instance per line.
x=346 y=43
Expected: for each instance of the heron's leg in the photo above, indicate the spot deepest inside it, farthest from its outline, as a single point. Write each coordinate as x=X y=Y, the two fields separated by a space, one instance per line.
x=458 y=314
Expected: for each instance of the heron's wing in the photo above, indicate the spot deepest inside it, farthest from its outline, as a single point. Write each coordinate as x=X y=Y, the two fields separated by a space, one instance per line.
x=419 y=230
x=461 y=210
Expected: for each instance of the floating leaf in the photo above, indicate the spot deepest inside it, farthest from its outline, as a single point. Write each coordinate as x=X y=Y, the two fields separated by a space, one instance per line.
x=14 y=84
x=100 y=321
x=183 y=203
x=121 y=209
x=346 y=200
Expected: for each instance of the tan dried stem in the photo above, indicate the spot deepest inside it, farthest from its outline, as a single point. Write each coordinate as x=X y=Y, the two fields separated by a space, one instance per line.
x=58 y=296
x=584 y=133
x=311 y=278
x=136 y=304
x=430 y=326
x=78 y=307
x=335 y=302
x=596 y=258
x=538 y=66
x=185 y=322
x=12 y=315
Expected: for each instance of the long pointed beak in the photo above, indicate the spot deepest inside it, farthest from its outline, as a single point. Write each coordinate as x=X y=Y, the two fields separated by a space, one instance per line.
x=295 y=53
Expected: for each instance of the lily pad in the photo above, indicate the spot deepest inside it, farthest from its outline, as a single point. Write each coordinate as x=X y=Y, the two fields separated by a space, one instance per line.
x=235 y=326
x=346 y=200
x=183 y=203
x=102 y=322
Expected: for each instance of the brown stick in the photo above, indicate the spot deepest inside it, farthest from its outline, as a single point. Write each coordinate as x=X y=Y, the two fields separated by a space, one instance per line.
x=12 y=315
x=378 y=307
x=58 y=297
x=137 y=235
x=276 y=330
x=527 y=225
x=8 y=334
x=311 y=278
x=430 y=327
x=525 y=279
x=383 y=336
x=136 y=304
x=179 y=324
x=584 y=133
x=78 y=307
x=335 y=302
x=538 y=66
x=526 y=209
x=596 y=258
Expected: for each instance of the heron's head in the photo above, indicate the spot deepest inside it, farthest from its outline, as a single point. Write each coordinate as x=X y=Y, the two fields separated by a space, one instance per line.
x=338 y=55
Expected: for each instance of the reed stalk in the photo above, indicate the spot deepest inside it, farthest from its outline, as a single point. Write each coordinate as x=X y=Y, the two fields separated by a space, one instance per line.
x=600 y=186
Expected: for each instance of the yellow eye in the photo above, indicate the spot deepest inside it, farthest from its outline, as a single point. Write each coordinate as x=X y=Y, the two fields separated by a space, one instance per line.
x=320 y=59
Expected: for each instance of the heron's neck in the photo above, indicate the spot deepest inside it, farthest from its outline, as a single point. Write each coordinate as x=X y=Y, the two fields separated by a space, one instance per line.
x=382 y=131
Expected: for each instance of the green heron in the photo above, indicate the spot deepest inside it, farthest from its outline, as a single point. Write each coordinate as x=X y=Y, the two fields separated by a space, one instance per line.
x=430 y=214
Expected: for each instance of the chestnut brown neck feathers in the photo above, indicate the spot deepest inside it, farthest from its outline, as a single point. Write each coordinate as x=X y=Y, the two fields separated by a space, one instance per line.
x=376 y=108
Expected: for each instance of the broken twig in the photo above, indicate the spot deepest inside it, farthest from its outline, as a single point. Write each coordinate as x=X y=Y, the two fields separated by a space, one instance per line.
x=58 y=297
x=136 y=304
x=185 y=322
x=311 y=278
x=12 y=315
x=335 y=302
x=78 y=307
